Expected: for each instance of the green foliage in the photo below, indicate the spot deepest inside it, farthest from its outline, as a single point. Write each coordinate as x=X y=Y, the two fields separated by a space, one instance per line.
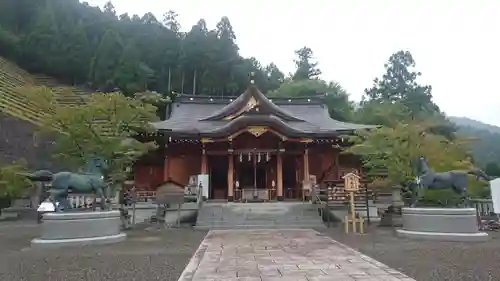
x=105 y=126
x=385 y=114
x=492 y=169
x=395 y=147
x=336 y=97
x=80 y=44
x=411 y=126
x=486 y=148
x=306 y=68
x=106 y=59
x=12 y=184
x=399 y=84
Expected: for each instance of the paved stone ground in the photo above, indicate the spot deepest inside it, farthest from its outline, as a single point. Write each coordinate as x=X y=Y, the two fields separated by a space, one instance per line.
x=268 y=255
x=427 y=260
x=145 y=255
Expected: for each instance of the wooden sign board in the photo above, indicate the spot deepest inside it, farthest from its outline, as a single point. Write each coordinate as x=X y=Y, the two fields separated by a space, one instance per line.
x=351 y=182
x=170 y=193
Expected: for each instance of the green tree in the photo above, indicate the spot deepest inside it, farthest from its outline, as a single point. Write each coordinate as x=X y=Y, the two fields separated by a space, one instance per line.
x=492 y=169
x=170 y=21
x=12 y=183
x=109 y=9
x=335 y=96
x=104 y=126
x=399 y=84
x=77 y=43
x=397 y=148
x=41 y=44
x=129 y=75
x=275 y=77
x=226 y=55
x=106 y=59
x=75 y=59
x=306 y=68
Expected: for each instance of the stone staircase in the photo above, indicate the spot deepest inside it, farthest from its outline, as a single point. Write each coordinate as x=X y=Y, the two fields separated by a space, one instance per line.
x=272 y=215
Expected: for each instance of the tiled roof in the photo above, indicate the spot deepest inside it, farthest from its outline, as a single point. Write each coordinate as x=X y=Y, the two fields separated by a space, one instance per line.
x=206 y=116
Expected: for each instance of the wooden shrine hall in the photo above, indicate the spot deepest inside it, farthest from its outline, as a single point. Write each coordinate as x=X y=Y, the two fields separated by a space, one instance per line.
x=251 y=146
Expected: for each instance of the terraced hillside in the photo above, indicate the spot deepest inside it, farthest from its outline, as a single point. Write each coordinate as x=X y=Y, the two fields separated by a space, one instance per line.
x=19 y=117
x=12 y=77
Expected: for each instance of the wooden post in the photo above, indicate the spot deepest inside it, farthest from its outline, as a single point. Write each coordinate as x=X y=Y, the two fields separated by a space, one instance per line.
x=166 y=168
x=306 y=181
x=203 y=169
x=230 y=177
x=353 y=211
x=351 y=185
x=279 y=177
x=306 y=164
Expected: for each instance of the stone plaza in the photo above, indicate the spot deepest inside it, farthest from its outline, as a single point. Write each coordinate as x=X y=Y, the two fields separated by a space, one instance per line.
x=153 y=253
x=268 y=255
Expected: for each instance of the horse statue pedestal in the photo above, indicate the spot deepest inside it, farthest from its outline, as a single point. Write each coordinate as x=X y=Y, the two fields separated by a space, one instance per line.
x=444 y=224
x=79 y=228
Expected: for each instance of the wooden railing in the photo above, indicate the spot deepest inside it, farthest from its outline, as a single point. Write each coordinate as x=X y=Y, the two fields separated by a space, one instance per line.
x=484 y=208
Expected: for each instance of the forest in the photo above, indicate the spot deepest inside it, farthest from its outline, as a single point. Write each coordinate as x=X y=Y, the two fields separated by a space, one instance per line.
x=80 y=44
x=104 y=52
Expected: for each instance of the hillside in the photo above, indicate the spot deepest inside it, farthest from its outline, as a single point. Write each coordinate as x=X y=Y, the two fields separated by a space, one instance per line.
x=19 y=118
x=467 y=122
x=487 y=147
x=13 y=77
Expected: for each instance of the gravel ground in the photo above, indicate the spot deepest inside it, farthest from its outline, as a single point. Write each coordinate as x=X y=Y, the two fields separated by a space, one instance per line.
x=145 y=255
x=427 y=260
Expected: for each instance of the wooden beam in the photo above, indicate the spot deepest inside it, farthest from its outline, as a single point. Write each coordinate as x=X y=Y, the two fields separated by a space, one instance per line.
x=246 y=151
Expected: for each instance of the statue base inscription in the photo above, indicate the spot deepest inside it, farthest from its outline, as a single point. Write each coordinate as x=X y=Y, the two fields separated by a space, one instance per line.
x=79 y=228
x=454 y=224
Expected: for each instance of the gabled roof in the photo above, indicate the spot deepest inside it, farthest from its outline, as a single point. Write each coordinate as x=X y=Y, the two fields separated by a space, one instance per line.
x=252 y=98
x=205 y=116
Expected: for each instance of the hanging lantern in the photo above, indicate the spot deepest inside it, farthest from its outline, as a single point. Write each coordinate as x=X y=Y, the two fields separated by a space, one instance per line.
x=249 y=156
x=258 y=157
x=241 y=157
x=268 y=157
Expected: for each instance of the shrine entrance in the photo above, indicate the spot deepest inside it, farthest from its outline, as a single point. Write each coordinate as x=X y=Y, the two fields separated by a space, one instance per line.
x=254 y=176
x=292 y=188
x=218 y=167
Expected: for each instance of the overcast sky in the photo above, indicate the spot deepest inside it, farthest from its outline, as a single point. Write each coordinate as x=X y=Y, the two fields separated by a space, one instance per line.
x=456 y=44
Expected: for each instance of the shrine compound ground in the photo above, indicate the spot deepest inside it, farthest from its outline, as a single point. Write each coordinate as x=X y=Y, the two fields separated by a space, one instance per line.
x=186 y=254
x=269 y=255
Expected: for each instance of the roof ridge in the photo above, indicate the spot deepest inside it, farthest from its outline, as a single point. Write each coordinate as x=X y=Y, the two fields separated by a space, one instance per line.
x=241 y=104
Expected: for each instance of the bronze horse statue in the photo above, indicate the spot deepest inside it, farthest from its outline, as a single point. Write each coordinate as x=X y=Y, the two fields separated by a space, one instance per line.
x=91 y=180
x=456 y=180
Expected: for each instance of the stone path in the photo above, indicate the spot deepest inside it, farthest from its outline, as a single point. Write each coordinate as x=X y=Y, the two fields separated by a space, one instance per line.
x=268 y=255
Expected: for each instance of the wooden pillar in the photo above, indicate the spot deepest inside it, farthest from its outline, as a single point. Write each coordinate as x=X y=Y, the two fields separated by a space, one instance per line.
x=306 y=164
x=166 y=169
x=279 y=177
x=230 y=178
x=204 y=167
x=306 y=182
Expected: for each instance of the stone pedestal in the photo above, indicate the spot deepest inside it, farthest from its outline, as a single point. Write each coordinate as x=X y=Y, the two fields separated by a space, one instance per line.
x=392 y=215
x=79 y=228
x=457 y=224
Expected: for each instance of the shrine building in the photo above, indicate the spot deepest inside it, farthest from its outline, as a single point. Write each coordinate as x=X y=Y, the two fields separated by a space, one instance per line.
x=249 y=146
